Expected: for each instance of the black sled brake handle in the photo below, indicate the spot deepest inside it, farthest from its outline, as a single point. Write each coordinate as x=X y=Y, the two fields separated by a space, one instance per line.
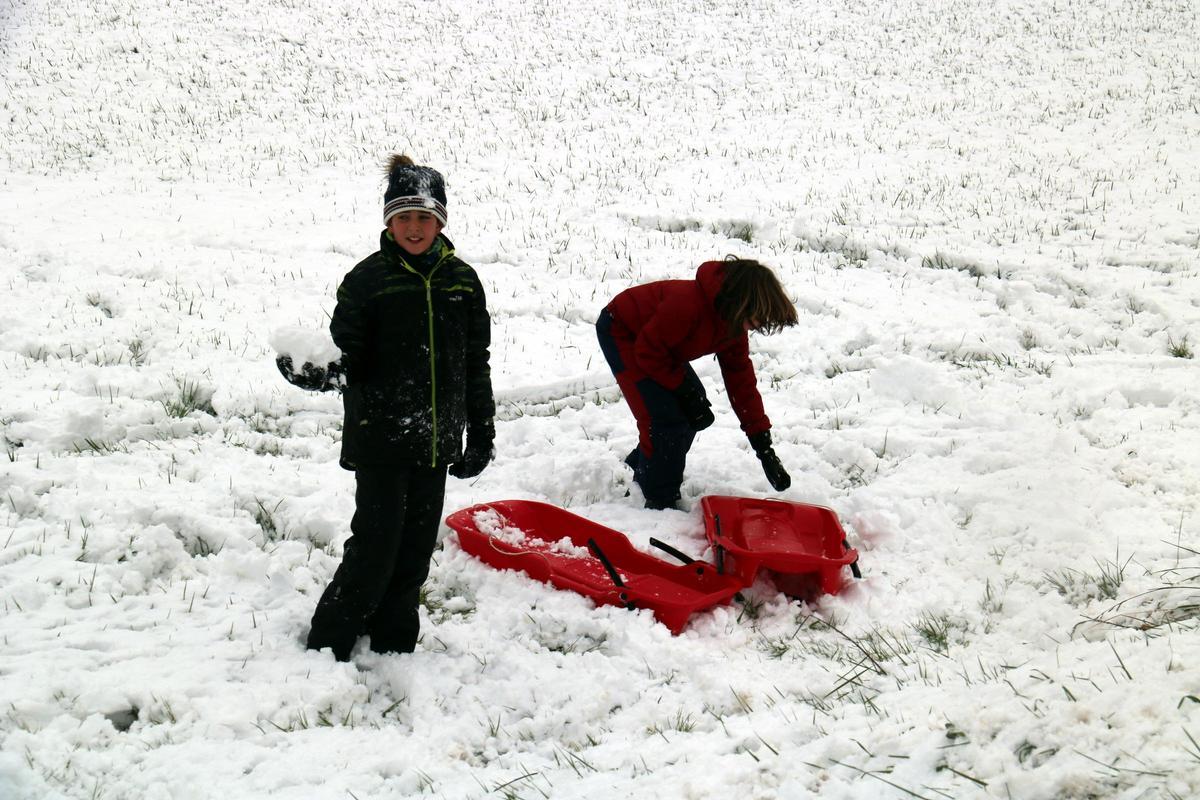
x=666 y=548
x=612 y=572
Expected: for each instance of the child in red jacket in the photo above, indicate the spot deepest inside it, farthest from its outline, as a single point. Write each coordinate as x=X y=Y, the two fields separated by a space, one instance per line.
x=649 y=333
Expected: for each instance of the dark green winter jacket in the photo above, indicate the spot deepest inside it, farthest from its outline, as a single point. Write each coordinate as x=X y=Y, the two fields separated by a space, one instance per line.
x=414 y=333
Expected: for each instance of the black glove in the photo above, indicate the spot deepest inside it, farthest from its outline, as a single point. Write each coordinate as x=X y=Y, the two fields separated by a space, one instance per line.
x=694 y=403
x=478 y=452
x=311 y=377
x=772 y=467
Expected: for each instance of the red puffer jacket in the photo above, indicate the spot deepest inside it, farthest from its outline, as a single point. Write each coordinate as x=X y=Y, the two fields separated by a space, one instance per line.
x=661 y=326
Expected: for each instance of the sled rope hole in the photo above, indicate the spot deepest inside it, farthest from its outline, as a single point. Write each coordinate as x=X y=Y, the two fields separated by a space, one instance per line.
x=492 y=544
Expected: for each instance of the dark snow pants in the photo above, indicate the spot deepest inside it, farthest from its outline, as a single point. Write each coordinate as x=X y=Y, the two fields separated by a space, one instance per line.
x=376 y=589
x=664 y=435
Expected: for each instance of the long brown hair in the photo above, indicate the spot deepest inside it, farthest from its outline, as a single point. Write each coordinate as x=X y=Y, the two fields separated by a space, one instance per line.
x=751 y=294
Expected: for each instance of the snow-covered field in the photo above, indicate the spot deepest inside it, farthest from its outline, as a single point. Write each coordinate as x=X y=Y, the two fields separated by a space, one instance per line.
x=988 y=214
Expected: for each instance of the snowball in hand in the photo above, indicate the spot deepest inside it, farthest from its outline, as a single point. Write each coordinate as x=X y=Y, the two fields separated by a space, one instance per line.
x=305 y=346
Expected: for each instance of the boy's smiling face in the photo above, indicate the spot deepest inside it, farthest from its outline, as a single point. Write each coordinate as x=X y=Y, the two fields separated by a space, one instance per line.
x=414 y=231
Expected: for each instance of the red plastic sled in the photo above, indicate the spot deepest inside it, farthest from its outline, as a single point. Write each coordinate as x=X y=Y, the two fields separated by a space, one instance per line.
x=803 y=545
x=560 y=548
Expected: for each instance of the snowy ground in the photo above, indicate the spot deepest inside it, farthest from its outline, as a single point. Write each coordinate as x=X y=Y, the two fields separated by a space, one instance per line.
x=987 y=213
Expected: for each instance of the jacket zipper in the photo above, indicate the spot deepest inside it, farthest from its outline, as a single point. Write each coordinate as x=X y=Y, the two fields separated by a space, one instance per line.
x=428 y=281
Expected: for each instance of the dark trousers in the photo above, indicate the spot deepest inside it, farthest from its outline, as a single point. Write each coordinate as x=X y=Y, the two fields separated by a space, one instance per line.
x=377 y=587
x=664 y=435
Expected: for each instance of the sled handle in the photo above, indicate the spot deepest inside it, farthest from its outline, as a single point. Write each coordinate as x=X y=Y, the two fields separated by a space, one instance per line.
x=718 y=548
x=608 y=567
x=612 y=572
x=854 y=570
x=666 y=548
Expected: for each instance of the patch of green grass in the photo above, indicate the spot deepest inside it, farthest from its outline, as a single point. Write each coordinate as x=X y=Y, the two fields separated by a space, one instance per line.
x=1180 y=349
x=265 y=518
x=1079 y=586
x=934 y=629
x=189 y=396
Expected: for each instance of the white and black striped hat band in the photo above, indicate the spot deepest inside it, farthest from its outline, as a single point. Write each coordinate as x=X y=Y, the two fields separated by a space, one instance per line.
x=414 y=203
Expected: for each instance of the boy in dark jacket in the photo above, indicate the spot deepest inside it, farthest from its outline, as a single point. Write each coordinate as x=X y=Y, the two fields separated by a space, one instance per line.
x=413 y=327
x=649 y=333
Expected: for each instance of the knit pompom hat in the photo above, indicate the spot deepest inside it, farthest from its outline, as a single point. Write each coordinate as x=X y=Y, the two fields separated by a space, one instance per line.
x=412 y=187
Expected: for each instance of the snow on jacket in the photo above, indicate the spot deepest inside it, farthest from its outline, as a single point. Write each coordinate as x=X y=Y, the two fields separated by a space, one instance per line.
x=661 y=326
x=414 y=333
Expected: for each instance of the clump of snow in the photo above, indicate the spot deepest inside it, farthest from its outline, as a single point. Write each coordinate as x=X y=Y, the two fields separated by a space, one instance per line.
x=305 y=346
x=490 y=522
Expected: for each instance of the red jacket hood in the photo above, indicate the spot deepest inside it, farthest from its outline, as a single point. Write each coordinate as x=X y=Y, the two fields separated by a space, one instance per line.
x=710 y=275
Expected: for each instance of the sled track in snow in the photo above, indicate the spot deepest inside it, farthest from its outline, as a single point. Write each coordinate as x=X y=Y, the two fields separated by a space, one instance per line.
x=548 y=399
